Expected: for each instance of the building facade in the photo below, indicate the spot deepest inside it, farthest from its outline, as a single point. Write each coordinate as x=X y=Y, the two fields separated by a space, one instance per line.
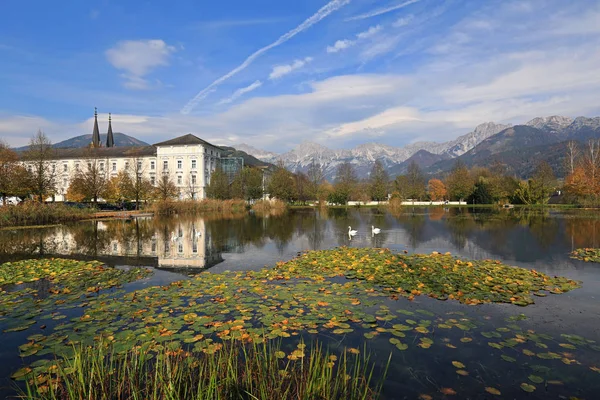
x=188 y=161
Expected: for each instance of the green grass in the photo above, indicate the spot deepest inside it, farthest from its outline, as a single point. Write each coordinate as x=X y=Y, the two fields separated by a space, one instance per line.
x=232 y=371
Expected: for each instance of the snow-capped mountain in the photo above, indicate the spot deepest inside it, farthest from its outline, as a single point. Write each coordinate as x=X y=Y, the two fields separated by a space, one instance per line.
x=553 y=124
x=362 y=157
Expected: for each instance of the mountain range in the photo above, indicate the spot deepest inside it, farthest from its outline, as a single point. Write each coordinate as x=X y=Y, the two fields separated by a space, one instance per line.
x=519 y=148
x=121 y=140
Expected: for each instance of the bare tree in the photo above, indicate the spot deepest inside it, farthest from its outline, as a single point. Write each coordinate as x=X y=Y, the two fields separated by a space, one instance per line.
x=572 y=155
x=91 y=181
x=192 y=187
x=592 y=159
x=39 y=163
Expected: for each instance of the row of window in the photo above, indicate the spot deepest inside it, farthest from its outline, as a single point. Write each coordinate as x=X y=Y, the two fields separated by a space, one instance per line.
x=139 y=166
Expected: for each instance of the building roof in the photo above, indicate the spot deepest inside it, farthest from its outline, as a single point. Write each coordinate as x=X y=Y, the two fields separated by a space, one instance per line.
x=110 y=140
x=96 y=132
x=100 y=152
x=188 y=139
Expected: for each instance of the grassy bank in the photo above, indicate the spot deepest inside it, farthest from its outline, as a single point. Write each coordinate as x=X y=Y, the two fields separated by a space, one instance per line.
x=232 y=371
x=269 y=206
x=191 y=207
x=32 y=213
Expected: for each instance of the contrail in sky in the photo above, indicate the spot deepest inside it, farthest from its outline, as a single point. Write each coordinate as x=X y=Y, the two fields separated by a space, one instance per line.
x=330 y=7
x=382 y=11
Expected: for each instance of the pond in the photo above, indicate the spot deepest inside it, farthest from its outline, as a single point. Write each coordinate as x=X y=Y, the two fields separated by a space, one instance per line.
x=545 y=350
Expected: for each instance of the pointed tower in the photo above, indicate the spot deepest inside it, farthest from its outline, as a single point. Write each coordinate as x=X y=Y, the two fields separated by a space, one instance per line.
x=110 y=140
x=96 y=132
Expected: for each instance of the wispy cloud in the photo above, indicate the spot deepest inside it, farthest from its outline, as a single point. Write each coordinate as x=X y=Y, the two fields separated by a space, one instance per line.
x=137 y=58
x=347 y=43
x=234 y=23
x=329 y=8
x=282 y=70
x=382 y=11
x=240 y=92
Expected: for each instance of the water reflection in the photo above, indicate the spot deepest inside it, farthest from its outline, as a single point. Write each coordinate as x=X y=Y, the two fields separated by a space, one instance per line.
x=251 y=241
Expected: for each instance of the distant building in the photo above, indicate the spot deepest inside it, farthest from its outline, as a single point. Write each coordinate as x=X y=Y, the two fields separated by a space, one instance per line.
x=231 y=166
x=188 y=160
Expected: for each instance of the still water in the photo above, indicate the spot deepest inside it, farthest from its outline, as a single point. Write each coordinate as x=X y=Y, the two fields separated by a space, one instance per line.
x=178 y=247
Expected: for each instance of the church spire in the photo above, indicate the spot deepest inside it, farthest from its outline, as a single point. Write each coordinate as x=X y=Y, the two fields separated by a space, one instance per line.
x=96 y=132
x=110 y=140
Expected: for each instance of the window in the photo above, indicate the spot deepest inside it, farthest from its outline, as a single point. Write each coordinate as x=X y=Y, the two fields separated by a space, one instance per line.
x=179 y=164
x=193 y=164
x=114 y=167
x=180 y=247
x=77 y=167
x=179 y=180
x=101 y=166
x=165 y=165
x=89 y=165
x=152 y=165
x=53 y=167
x=193 y=179
x=126 y=164
x=65 y=182
x=139 y=165
x=194 y=247
x=211 y=152
x=152 y=180
x=65 y=167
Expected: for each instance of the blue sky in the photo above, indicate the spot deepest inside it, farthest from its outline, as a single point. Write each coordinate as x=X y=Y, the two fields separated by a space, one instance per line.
x=273 y=74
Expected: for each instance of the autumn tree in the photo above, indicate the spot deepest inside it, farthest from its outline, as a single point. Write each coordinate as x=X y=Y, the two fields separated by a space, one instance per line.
x=411 y=185
x=38 y=157
x=133 y=185
x=437 y=190
x=459 y=183
x=315 y=177
x=247 y=184
x=303 y=187
x=91 y=180
x=344 y=184
x=14 y=178
x=282 y=185
x=378 y=182
x=165 y=188
x=544 y=182
x=218 y=187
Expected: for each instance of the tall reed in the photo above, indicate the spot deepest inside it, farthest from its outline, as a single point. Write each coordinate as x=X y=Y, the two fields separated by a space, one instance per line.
x=236 y=371
x=193 y=206
x=34 y=213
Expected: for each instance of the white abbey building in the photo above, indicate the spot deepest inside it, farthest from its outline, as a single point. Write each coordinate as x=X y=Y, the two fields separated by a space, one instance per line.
x=188 y=160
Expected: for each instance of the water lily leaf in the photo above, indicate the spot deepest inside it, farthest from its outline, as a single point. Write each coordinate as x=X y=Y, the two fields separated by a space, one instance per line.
x=507 y=358
x=493 y=391
x=458 y=364
x=462 y=372
x=536 y=379
x=527 y=387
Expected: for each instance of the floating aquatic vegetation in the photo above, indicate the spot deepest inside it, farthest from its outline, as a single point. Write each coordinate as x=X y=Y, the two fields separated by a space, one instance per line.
x=440 y=276
x=305 y=298
x=587 y=255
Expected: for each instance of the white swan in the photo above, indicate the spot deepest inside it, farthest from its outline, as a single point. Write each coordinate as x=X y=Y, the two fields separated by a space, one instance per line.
x=375 y=231
x=351 y=232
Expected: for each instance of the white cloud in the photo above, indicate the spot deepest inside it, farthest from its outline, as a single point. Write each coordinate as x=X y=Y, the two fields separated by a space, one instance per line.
x=138 y=58
x=240 y=92
x=282 y=70
x=372 y=31
x=347 y=43
x=329 y=8
x=340 y=45
x=382 y=11
x=403 y=21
